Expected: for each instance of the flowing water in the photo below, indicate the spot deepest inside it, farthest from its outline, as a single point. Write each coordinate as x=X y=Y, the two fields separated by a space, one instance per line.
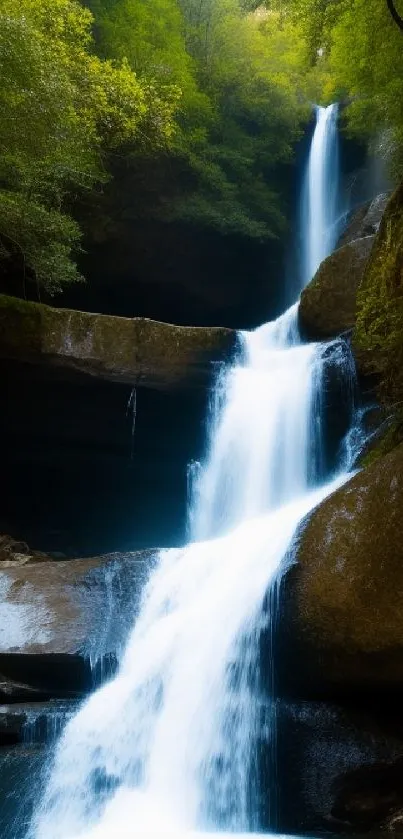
x=169 y=746
x=320 y=208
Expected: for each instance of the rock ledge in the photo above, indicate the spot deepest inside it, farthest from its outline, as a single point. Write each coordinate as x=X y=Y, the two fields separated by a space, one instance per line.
x=134 y=351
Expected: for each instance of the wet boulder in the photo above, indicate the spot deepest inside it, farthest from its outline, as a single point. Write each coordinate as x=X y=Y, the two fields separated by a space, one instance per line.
x=63 y=624
x=329 y=303
x=341 y=628
x=366 y=220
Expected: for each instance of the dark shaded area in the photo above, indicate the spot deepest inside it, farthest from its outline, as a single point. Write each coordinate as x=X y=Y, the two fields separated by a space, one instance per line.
x=180 y=274
x=53 y=676
x=34 y=723
x=338 y=768
x=81 y=475
x=144 y=256
x=22 y=777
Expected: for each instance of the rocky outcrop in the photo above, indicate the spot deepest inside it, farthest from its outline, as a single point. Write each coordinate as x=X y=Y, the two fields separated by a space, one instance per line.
x=377 y=338
x=63 y=624
x=329 y=303
x=134 y=351
x=341 y=632
x=366 y=220
x=14 y=553
x=339 y=769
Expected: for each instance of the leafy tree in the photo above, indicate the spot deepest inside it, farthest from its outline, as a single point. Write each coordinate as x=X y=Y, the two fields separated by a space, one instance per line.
x=246 y=67
x=149 y=35
x=62 y=109
x=366 y=65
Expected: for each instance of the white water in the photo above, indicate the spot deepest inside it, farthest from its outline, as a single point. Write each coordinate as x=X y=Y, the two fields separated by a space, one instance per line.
x=320 y=223
x=169 y=746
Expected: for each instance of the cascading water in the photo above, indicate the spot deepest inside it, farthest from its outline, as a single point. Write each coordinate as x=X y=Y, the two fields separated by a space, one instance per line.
x=320 y=209
x=168 y=746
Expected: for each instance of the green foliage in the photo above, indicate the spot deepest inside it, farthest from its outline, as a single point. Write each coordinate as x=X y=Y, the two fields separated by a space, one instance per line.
x=366 y=64
x=62 y=108
x=215 y=91
x=240 y=111
x=355 y=50
x=150 y=36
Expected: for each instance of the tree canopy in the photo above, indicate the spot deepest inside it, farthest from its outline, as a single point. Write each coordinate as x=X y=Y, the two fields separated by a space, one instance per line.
x=355 y=50
x=206 y=97
x=62 y=109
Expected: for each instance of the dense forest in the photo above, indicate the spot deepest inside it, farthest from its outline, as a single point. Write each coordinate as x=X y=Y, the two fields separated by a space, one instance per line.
x=193 y=106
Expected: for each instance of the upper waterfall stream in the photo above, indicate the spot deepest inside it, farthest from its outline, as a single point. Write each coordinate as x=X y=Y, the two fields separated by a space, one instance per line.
x=168 y=746
x=320 y=208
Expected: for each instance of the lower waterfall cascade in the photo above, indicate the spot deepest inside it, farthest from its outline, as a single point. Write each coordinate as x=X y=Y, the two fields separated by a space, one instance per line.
x=168 y=747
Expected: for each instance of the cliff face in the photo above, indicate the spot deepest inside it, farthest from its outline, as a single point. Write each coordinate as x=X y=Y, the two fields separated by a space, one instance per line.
x=90 y=464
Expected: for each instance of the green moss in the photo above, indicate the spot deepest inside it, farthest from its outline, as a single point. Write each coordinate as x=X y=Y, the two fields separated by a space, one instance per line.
x=20 y=325
x=378 y=336
x=379 y=330
x=385 y=443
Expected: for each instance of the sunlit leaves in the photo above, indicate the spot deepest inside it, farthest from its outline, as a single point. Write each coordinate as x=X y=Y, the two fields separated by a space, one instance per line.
x=62 y=109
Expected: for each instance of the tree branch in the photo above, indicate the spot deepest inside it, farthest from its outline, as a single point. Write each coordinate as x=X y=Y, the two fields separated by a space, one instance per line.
x=395 y=14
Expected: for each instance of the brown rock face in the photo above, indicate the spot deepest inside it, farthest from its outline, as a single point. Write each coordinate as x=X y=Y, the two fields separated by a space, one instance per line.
x=62 y=622
x=343 y=599
x=134 y=351
x=366 y=220
x=328 y=303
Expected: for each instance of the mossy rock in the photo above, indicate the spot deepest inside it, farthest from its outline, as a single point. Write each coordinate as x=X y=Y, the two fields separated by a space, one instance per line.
x=344 y=596
x=378 y=336
x=328 y=304
x=135 y=351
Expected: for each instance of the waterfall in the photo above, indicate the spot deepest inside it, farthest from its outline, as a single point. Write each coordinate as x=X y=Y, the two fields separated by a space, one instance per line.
x=169 y=745
x=320 y=208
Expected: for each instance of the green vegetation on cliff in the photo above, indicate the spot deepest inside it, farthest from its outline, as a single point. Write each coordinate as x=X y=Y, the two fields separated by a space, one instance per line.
x=194 y=105
x=355 y=50
x=378 y=336
x=240 y=110
x=205 y=94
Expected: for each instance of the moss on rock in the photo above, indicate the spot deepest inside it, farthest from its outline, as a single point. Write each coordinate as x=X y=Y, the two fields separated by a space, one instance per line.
x=347 y=588
x=136 y=351
x=328 y=303
x=378 y=336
